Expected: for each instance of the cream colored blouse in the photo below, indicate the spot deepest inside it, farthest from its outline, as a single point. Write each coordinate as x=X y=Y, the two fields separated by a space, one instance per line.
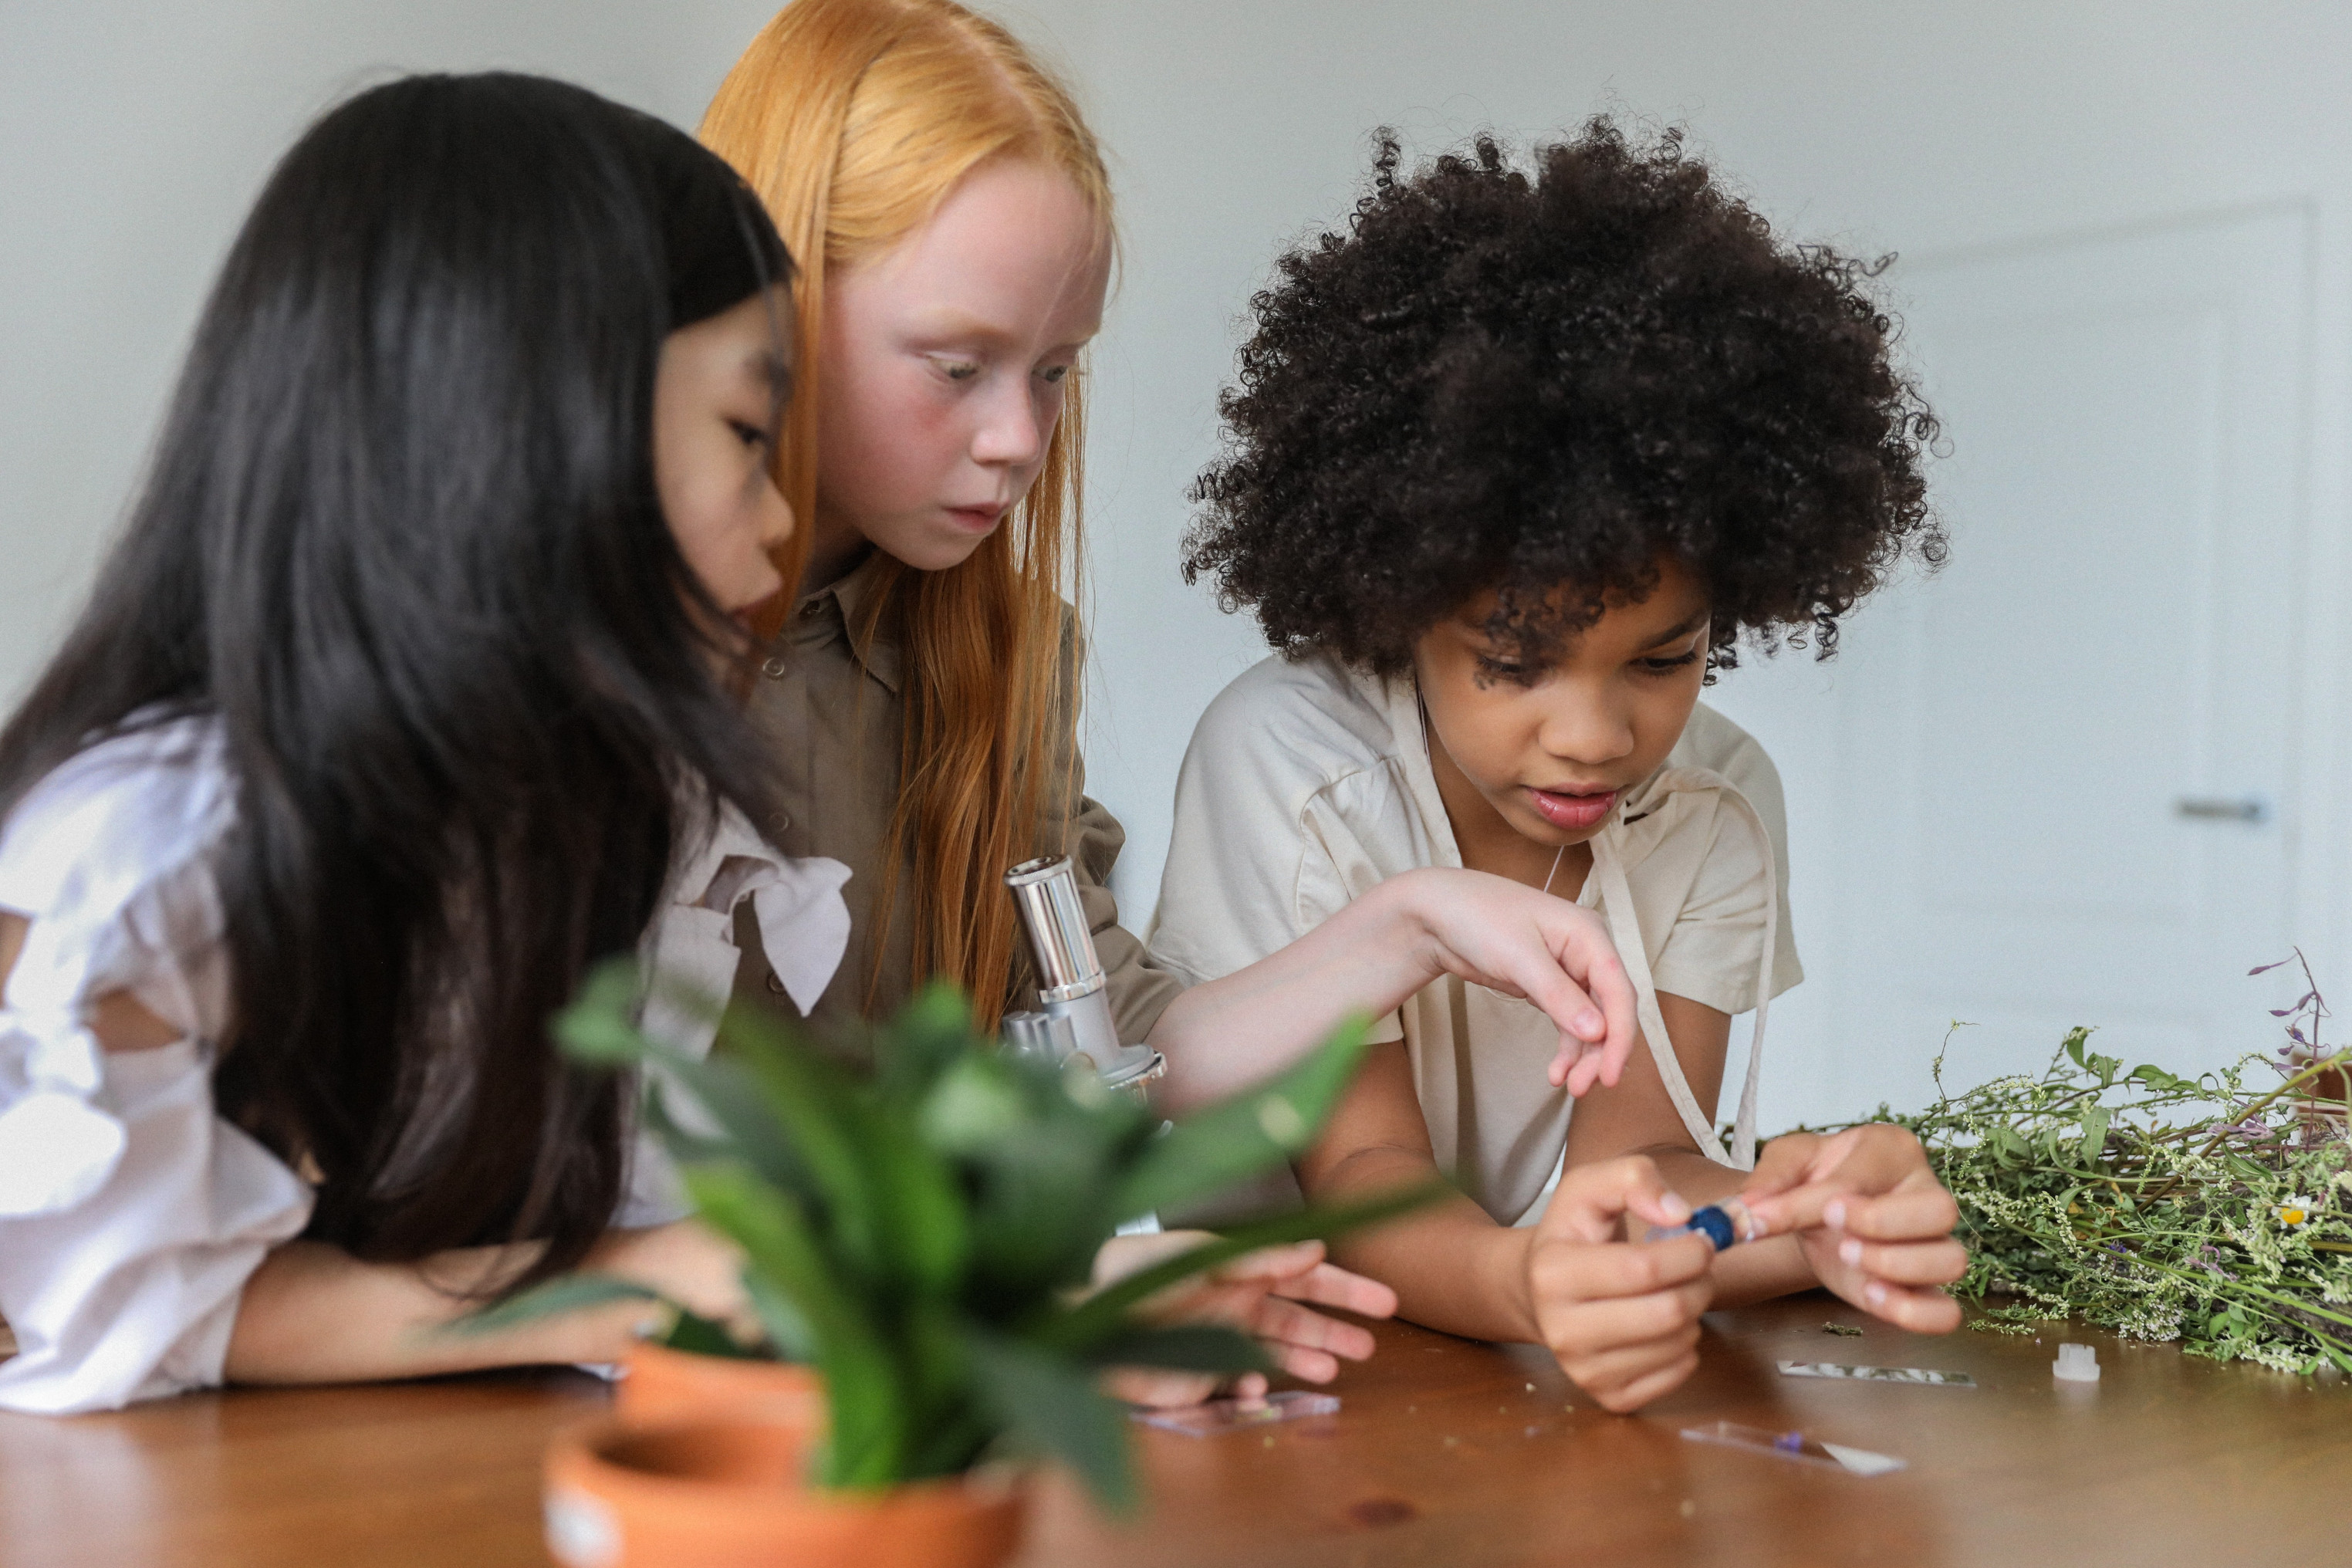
x=131 y=1213
x=1308 y=783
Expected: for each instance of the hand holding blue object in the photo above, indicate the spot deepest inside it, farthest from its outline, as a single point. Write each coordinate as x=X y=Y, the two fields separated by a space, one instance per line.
x=1724 y=1224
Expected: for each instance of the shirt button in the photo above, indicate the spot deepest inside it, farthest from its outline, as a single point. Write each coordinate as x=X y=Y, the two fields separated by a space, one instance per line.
x=774 y=666
x=779 y=822
x=775 y=986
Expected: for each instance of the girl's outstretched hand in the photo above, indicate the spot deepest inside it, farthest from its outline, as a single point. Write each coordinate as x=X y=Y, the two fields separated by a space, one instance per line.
x=1871 y=1217
x=1258 y=1293
x=1507 y=937
x=1619 y=1317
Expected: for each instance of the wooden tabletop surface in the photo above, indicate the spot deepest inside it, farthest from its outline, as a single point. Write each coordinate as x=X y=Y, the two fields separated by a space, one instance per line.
x=1445 y=1453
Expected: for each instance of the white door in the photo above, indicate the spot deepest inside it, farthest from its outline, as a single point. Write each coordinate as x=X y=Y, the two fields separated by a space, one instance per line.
x=2052 y=784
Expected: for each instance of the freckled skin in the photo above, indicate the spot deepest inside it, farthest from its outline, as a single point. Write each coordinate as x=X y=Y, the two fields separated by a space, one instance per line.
x=944 y=366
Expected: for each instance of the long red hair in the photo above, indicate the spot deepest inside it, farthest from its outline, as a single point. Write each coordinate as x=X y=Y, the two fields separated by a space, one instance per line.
x=854 y=119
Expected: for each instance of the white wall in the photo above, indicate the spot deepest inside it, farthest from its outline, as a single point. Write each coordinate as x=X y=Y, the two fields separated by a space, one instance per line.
x=133 y=136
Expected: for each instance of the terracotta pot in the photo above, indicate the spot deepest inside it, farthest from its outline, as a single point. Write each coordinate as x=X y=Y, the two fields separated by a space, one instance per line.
x=665 y=1384
x=727 y=1492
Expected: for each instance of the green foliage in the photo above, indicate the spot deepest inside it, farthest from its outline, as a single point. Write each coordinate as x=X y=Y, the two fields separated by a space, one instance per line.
x=2158 y=1207
x=576 y=1292
x=923 y=1233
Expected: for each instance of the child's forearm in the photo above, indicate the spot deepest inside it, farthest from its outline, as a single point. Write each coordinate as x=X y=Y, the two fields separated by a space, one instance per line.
x=1226 y=1033
x=313 y=1313
x=1451 y=1267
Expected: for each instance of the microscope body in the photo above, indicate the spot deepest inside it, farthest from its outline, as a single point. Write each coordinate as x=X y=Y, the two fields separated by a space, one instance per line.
x=1073 y=1016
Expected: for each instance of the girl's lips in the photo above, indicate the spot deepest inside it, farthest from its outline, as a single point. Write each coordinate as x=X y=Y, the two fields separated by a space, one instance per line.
x=976 y=519
x=1576 y=813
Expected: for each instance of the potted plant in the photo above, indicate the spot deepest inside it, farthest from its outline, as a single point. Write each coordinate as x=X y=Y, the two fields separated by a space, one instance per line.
x=920 y=1237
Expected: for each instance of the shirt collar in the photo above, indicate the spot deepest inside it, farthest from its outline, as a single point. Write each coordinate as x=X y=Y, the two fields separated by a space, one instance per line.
x=839 y=610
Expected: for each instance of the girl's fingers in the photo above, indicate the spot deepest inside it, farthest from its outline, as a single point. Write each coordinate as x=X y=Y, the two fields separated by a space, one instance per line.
x=1591 y=1199
x=1920 y=1310
x=1624 y=1323
x=1278 y=1324
x=1591 y=955
x=1124 y=1255
x=1905 y=1263
x=1157 y=1389
x=1308 y=1365
x=1288 y=1261
x=1579 y=1067
x=1908 y=1214
x=1329 y=1285
x=1576 y=977
x=1623 y=1375
x=1632 y=1394
x=1787 y=1164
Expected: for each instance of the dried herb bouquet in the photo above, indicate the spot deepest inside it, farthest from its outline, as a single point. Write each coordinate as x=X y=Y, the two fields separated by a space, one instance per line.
x=2216 y=1211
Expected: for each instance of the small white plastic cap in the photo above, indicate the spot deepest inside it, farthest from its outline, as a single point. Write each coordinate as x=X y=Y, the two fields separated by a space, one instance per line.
x=2076 y=1364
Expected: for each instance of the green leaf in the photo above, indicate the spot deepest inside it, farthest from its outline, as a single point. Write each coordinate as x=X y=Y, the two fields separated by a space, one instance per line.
x=1183 y=1347
x=921 y=1208
x=552 y=1298
x=1253 y=1132
x=697 y=1335
x=1051 y=1406
x=599 y=1027
x=747 y=1130
x=864 y=1447
x=975 y=1106
x=2095 y=1132
x=1040 y=1211
x=930 y=1035
x=788 y=1330
x=823 y=1116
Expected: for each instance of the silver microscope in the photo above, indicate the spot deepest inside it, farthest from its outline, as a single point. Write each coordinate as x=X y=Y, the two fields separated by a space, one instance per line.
x=1073 y=991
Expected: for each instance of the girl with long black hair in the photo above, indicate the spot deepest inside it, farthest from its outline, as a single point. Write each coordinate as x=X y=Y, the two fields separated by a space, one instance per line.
x=404 y=699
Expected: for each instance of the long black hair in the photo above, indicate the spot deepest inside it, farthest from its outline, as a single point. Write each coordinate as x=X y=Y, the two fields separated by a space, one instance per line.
x=401 y=538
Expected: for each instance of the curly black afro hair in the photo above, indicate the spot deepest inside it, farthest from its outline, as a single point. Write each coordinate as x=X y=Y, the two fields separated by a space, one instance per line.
x=1531 y=384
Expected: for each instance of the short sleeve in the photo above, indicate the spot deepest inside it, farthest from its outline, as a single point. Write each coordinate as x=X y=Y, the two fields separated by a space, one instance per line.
x=1714 y=946
x=1139 y=989
x=130 y=1213
x=1262 y=850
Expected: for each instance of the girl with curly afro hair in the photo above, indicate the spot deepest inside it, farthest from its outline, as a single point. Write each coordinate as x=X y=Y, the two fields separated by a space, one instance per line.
x=1516 y=461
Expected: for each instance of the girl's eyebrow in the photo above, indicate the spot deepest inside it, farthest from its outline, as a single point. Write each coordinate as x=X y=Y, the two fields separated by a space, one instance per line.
x=954 y=324
x=1678 y=632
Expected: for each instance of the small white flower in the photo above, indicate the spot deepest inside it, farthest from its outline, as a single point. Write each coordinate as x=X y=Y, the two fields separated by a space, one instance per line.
x=2296 y=1213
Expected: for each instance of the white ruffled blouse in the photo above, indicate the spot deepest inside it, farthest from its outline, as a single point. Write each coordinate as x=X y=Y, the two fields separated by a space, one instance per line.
x=130 y=1213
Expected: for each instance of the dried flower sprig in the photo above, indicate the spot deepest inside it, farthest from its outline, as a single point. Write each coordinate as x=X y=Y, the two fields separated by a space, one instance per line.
x=2162 y=1207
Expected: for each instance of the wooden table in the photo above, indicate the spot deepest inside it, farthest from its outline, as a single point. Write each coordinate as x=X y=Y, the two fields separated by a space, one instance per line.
x=1446 y=1453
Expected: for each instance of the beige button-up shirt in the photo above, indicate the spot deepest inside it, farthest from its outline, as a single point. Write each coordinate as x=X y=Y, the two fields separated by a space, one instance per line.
x=834 y=717
x=1308 y=783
